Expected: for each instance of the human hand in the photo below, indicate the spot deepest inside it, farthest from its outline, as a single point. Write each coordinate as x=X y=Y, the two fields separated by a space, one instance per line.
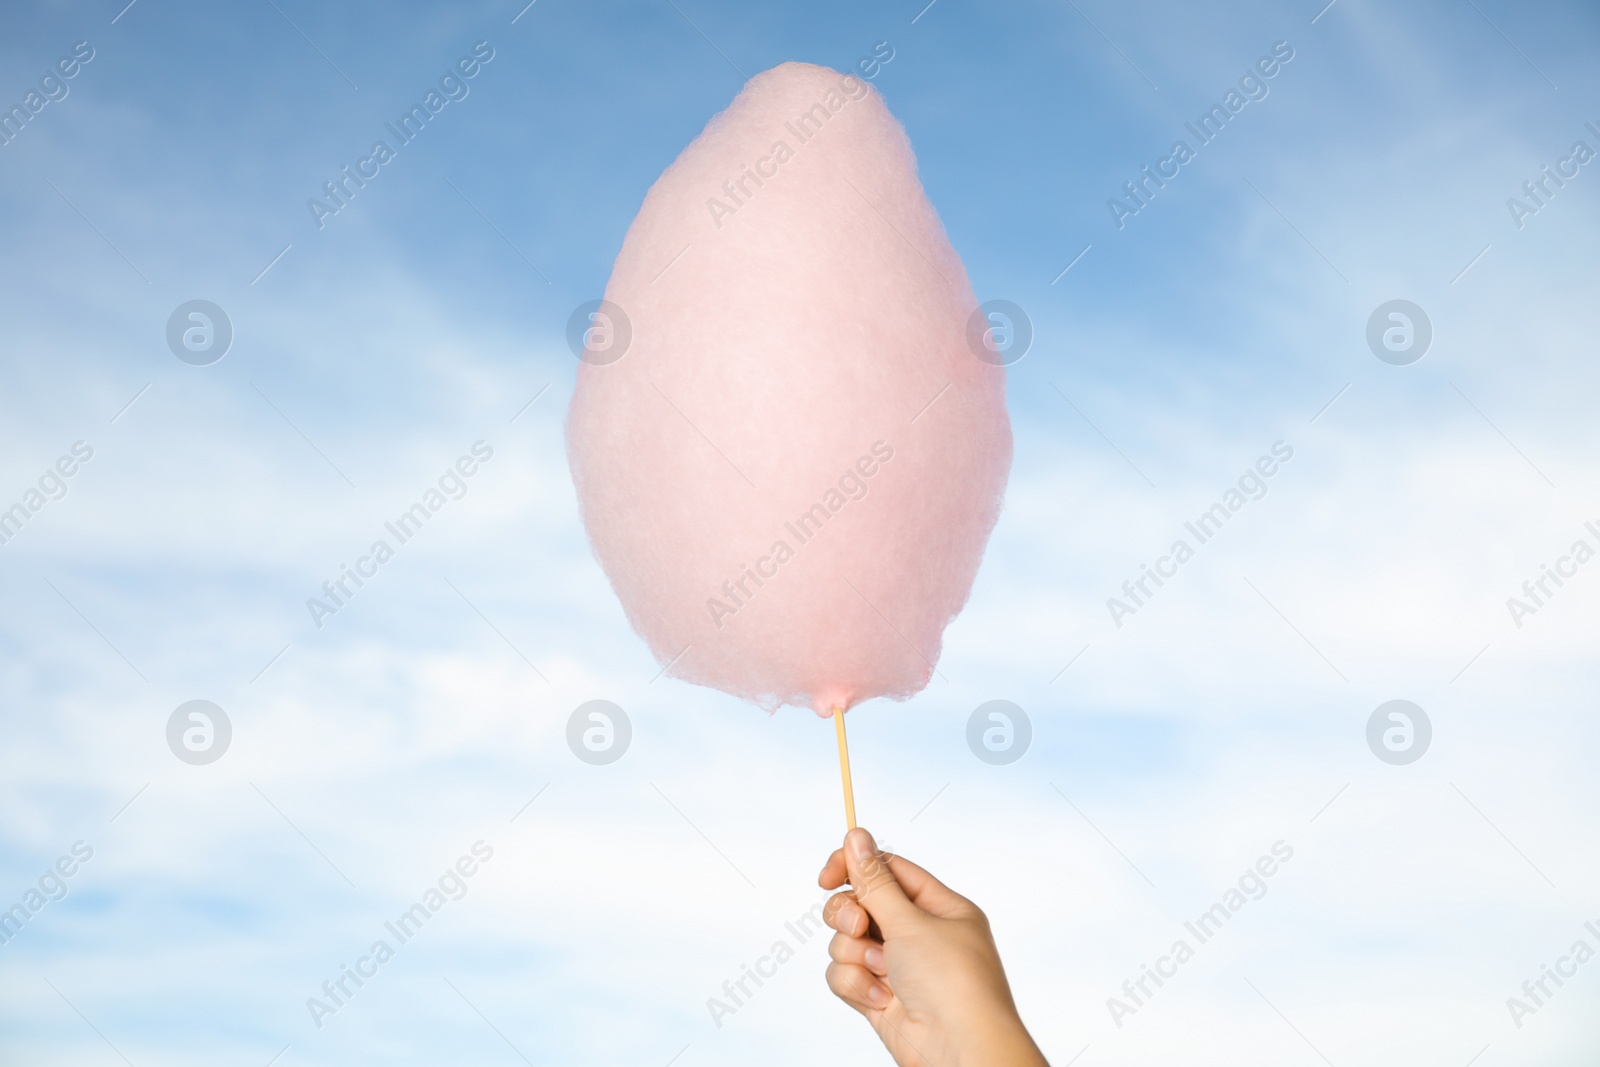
x=918 y=961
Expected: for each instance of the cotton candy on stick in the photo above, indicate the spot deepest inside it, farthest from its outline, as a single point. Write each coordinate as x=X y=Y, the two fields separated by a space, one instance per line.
x=787 y=448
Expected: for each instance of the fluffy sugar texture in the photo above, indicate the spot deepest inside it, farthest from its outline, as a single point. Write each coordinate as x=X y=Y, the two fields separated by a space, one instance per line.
x=790 y=474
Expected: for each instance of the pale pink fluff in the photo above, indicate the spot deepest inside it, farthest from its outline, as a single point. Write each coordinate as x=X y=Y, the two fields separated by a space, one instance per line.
x=781 y=331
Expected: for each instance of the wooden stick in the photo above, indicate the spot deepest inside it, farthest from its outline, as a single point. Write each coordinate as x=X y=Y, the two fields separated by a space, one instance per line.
x=844 y=770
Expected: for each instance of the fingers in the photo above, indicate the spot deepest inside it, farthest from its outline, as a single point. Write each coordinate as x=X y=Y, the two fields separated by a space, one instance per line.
x=859 y=988
x=923 y=889
x=846 y=916
x=834 y=874
x=860 y=951
x=920 y=887
x=875 y=886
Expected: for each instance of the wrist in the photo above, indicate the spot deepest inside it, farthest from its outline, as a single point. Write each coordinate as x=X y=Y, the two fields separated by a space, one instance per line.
x=1000 y=1041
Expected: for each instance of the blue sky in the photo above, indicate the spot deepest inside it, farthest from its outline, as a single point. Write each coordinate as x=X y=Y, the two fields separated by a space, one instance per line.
x=370 y=754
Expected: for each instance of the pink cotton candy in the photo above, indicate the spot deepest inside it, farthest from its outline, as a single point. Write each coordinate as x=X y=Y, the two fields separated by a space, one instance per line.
x=790 y=472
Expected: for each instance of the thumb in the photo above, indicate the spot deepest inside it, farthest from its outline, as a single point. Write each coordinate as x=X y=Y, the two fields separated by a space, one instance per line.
x=875 y=886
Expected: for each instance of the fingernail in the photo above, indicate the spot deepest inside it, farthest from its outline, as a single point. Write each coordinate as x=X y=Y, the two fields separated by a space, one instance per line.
x=878 y=995
x=861 y=845
x=848 y=914
x=874 y=956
